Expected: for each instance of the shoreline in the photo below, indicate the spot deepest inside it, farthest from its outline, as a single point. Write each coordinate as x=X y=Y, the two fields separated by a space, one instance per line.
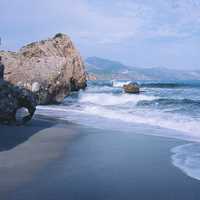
x=67 y=160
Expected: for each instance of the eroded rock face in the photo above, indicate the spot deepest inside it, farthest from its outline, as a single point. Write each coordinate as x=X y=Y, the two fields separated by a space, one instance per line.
x=50 y=68
x=132 y=88
x=12 y=100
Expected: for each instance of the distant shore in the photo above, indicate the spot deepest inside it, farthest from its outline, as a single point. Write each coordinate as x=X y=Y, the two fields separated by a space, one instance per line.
x=50 y=160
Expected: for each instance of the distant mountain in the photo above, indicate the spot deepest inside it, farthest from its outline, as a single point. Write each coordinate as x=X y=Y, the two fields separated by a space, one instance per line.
x=100 y=65
x=108 y=69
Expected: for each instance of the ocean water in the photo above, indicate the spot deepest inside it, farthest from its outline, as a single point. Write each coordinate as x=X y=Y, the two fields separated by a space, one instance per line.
x=168 y=109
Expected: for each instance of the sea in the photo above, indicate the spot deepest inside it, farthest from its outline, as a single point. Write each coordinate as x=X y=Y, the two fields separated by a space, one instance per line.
x=163 y=108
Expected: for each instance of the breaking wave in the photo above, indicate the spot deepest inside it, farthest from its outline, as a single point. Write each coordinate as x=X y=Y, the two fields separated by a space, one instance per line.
x=112 y=99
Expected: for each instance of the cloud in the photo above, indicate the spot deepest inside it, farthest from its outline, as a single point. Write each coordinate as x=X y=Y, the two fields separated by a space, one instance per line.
x=112 y=21
x=115 y=22
x=112 y=28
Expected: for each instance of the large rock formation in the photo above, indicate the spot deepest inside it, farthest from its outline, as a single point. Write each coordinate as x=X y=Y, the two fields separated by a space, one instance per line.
x=50 y=68
x=13 y=101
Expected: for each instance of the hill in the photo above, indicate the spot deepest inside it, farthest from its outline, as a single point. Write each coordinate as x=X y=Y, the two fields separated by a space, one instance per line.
x=107 y=69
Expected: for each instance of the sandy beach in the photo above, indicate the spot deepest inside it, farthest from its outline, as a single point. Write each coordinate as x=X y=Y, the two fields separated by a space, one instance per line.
x=50 y=160
x=25 y=150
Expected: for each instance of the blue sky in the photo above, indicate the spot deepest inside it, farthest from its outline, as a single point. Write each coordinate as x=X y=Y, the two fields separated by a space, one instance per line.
x=142 y=33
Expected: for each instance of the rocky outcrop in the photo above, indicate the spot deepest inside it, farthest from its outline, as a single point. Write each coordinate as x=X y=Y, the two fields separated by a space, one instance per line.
x=17 y=105
x=132 y=88
x=50 y=68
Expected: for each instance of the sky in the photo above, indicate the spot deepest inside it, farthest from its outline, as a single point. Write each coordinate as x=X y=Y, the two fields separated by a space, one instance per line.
x=139 y=33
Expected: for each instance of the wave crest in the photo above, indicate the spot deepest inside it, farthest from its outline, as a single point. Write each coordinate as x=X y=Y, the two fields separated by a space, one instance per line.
x=119 y=84
x=111 y=99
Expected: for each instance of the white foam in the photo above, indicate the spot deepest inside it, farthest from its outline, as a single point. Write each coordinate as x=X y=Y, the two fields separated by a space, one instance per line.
x=186 y=129
x=187 y=159
x=119 y=84
x=190 y=128
x=111 y=99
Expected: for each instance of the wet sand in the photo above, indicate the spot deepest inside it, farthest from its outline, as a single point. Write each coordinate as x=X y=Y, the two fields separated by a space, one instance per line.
x=26 y=150
x=47 y=160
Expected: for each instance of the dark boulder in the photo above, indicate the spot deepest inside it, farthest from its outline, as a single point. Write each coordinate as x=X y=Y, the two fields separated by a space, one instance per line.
x=1 y=70
x=132 y=88
x=13 y=102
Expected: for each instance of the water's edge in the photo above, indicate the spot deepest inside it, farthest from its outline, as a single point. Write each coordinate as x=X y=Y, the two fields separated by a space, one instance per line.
x=163 y=109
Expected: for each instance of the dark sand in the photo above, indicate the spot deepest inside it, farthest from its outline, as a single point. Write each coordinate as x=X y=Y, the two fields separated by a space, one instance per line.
x=26 y=150
x=42 y=161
